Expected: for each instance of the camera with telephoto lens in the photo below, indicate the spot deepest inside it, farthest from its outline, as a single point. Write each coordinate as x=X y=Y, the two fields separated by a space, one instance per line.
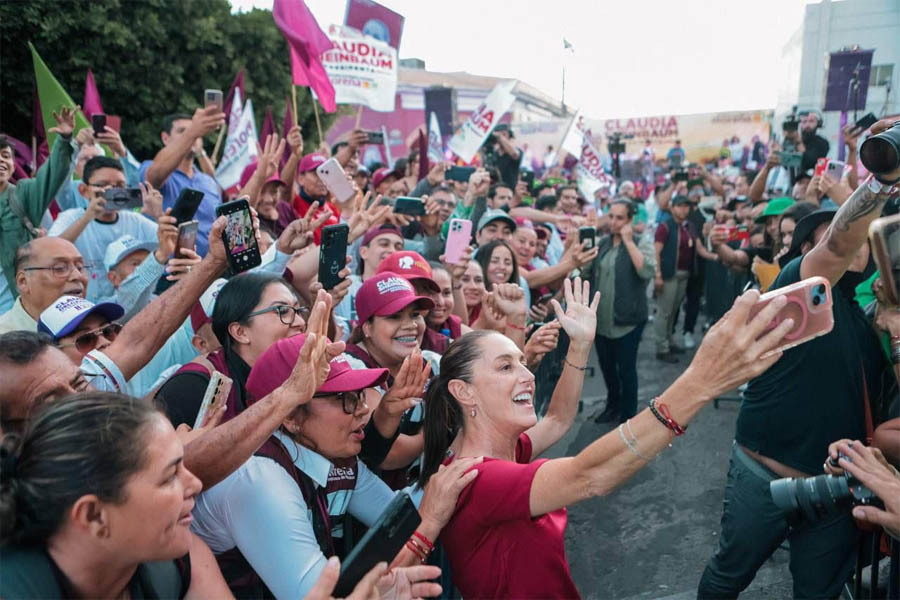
x=615 y=144
x=880 y=153
x=820 y=497
x=791 y=122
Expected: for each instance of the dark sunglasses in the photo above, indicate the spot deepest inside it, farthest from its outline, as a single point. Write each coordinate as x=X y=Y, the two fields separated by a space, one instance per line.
x=87 y=341
x=349 y=400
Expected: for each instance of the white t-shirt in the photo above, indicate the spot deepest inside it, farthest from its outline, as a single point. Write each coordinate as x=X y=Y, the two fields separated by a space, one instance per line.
x=102 y=373
x=97 y=236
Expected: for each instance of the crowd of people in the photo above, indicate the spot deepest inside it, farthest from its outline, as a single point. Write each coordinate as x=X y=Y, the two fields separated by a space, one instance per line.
x=442 y=379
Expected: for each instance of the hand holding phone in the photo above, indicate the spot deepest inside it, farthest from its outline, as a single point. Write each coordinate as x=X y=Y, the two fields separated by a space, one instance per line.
x=241 y=245
x=332 y=175
x=808 y=304
x=458 y=239
x=98 y=123
x=214 y=398
x=413 y=207
x=186 y=205
x=187 y=237
x=214 y=98
x=333 y=254
x=123 y=198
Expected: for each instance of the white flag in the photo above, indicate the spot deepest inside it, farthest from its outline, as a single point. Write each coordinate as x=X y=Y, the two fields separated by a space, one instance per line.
x=240 y=145
x=574 y=136
x=435 y=145
x=471 y=135
x=362 y=69
x=589 y=170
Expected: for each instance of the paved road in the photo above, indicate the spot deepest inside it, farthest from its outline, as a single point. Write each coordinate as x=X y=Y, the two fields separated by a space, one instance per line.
x=651 y=538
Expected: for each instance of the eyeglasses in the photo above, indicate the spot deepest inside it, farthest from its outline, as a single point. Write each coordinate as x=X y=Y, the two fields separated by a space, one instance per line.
x=87 y=341
x=350 y=401
x=286 y=313
x=105 y=186
x=61 y=270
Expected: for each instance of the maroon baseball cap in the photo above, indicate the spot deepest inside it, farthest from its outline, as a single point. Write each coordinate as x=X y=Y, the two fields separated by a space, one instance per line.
x=523 y=222
x=275 y=365
x=411 y=266
x=385 y=294
x=382 y=174
x=374 y=232
x=310 y=162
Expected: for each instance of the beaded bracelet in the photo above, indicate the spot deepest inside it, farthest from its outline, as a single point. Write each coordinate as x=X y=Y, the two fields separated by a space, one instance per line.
x=662 y=414
x=574 y=366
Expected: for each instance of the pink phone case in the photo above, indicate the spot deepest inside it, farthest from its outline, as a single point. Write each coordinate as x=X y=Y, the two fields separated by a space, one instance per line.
x=457 y=240
x=809 y=305
x=334 y=178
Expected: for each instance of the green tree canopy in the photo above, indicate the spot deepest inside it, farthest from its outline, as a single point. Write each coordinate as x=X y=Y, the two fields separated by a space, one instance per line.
x=150 y=58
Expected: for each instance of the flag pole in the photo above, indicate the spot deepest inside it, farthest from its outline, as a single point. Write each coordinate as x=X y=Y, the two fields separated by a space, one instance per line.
x=294 y=98
x=316 y=110
x=358 y=116
x=34 y=156
x=215 y=153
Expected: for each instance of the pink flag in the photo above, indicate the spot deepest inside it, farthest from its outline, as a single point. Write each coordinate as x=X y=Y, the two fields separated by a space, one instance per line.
x=92 y=105
x=238 y=84
x=268 y=126
x=307 y=42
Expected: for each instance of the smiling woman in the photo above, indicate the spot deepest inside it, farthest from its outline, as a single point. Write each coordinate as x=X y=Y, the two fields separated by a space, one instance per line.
x=95 y=502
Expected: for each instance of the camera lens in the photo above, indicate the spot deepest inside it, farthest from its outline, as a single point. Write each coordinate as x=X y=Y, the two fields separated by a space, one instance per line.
x=820 y=289
x=812 y=498
x=816 y=301
x=881 y=153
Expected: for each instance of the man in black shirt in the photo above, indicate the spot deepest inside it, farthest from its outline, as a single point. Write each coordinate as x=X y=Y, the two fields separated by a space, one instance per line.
x=813 y=395
x=501 y=153
x=815 y=146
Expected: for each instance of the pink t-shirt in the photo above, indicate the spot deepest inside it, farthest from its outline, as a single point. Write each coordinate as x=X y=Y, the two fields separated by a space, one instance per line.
x=496 y=549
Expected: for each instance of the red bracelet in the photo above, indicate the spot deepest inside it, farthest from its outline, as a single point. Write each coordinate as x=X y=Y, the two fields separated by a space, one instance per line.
x=670 y=422
x=508 y=324
x=412 y=548
x=424 y=540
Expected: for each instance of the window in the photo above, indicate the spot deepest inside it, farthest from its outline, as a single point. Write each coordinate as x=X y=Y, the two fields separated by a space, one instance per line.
x=881 y=75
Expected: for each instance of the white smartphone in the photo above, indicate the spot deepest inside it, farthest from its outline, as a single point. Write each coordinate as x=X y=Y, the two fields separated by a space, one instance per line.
x=216 y=394
x=334 y=178
x=835 y=169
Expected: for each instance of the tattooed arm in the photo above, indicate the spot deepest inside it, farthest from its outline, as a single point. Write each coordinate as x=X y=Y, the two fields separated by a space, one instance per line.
x=846 y=235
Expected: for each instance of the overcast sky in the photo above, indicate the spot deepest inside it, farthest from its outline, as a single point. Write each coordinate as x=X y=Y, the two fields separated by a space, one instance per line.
x=632 y=57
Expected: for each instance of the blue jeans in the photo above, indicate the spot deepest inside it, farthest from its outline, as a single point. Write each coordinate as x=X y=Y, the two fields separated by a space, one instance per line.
x=822 y=553
x=618 y=363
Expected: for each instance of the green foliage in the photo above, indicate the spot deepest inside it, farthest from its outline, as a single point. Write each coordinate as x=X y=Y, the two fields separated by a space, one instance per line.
x=150 y=58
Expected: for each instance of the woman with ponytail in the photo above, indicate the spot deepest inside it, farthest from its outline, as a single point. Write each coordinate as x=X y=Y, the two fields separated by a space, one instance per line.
x=506 y=537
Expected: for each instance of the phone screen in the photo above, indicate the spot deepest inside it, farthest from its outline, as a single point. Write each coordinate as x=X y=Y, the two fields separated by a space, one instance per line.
x=187 y=237
x=239 y=236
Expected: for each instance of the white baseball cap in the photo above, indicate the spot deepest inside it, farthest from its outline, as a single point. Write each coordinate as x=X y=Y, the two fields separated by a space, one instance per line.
x=65 y=315
x=122 y=247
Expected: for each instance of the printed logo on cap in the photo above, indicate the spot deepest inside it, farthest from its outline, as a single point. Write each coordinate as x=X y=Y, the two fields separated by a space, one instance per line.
x=72 y=303
x=405 y=262
x=393 y=284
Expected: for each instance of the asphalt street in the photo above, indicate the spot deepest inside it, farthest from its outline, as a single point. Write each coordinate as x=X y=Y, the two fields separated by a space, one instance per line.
x=652 y=537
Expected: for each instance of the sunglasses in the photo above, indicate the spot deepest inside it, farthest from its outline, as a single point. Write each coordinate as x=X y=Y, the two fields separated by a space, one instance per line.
x=350 y=401
x=87 y=341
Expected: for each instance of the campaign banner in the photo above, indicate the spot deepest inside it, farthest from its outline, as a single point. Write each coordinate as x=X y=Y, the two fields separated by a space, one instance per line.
x=361 y=69
x=574 y=137
x=240 y=144
x=589 y=169
x=469 y=137
x=435 y=144
x=375 y=20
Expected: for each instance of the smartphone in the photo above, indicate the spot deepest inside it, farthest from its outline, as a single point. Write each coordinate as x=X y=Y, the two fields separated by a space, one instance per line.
x=214 y=98
x=98 y=122
x=680 y=175
x=375 y=137
x=186 y=205
x=459 y=237
x=884 y=233
x=413 y=207
x=241 y=244
x=545 y=298
x=734 y=233
x=123 y=198
x=821 y=165
x=381 y=543
x=835 y=169
x=865 y=122
x=527 y=177
x=587 y=234
x=215 y=396
x=456 y=173
x=790 y=160
x=809 y=305
x=333 y=254
x=332 y=175
x=114 y=123
x=187 y=237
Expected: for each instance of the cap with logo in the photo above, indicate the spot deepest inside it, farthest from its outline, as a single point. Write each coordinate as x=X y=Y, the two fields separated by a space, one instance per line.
x=122 y=247
x=202 y=311
x=385 y=294
x=65 y=315
x=411 y=266
x=311 y=162
x=275 y=365
x=775 y=207
x=495 y=214
x=382 y=174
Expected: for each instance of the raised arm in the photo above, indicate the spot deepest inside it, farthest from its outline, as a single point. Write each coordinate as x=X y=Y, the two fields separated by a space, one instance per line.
x=575 y=256
x=580 y=322
x=167 y=160
x=729 y=355
x=36 y=194
x=289 y=171
x=758 y=186
x=357 y=138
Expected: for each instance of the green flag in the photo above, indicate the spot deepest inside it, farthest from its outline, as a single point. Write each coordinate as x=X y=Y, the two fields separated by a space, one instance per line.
x=52 y=97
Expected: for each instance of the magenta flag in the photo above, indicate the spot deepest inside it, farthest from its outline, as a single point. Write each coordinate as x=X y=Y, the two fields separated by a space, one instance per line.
x=92 y=105
x=268 y=126
x=237 y=84
x=307 y=42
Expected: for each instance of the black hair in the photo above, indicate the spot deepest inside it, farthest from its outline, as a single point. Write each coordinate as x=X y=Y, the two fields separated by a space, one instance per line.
x=493 y=189
x=6 y=143
x=22 y=347
x=97 y=163
x=628 y=204
x=237 y=299
x=483 y=258
x=563 y=188
x=169 y=120
x=494 y=174
x=545 y=202
x=443 y=413
x=797 y=211
x=337 y=146
x=87 y=443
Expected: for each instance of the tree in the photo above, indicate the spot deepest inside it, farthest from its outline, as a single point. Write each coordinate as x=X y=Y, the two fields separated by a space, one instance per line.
x=151 y=58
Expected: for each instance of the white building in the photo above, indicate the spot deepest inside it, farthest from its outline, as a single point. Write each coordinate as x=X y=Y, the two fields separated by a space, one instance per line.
x=832 y=26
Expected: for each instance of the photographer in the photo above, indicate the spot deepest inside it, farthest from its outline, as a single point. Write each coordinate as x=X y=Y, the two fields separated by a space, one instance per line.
x=869 y=466
x=500 y=152
x=813 y=145
x=813 y=395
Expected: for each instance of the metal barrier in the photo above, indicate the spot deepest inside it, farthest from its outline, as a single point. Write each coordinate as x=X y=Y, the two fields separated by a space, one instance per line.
x=869 y=555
